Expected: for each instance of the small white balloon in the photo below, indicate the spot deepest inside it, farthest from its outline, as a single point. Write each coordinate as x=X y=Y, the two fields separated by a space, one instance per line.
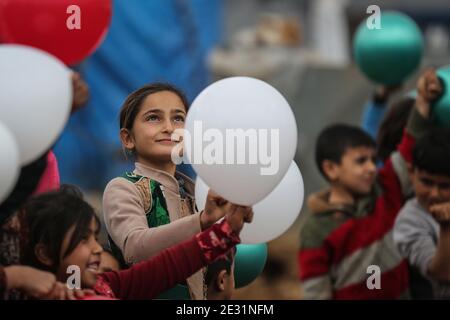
x=240 y=137
x=35 y=99
x=9 y=162
x=275 y=214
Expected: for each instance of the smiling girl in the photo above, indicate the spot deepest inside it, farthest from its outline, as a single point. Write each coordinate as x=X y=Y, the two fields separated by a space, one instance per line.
x=153 y=207
x=63 y=231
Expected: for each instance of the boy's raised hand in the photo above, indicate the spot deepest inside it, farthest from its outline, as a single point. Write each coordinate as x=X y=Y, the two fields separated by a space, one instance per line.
x=429 y=88
x=237 y=215
x=441 y=212
x=216 y=208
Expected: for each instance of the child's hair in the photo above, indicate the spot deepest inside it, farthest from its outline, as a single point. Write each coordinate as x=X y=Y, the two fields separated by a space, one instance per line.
x=391 y=128
x=133 y=102
x=432 y=152
x=334 y=140
x=49 y=217
x=106 y=248
x=223 y=263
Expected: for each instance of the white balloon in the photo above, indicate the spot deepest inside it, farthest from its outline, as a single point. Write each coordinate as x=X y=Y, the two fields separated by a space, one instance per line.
x=35 y=98
x=9 y=162
x=249 y=171
x=275 y=214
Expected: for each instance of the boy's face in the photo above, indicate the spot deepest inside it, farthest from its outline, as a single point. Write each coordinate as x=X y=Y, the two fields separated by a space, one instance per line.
x=429 y=188
x=86 y=255
x=356 y=172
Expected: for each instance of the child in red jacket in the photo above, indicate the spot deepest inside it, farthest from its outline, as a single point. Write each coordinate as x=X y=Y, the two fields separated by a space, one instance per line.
x=62 y=239
x=346 y=243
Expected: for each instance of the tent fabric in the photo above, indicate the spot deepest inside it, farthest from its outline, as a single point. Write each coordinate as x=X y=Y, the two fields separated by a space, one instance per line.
x=158 y=40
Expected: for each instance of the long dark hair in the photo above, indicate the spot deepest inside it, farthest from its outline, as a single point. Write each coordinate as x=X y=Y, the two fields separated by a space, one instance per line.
x=49 y=217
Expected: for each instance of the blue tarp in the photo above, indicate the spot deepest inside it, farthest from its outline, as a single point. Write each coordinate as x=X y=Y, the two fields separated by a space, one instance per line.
x=148 y=40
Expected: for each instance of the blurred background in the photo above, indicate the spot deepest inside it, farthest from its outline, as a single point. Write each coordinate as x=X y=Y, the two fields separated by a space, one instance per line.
x=301 y=47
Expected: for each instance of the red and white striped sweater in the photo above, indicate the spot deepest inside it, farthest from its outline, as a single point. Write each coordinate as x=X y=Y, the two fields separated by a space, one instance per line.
x=338 y=244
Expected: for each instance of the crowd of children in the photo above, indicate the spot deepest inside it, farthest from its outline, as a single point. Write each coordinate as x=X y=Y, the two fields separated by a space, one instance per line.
x=159 y=245
x=387 y=208
x=380 y=230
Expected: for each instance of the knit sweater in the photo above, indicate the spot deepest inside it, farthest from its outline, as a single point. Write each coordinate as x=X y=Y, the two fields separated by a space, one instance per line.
x=338 y=244
x=147 y=279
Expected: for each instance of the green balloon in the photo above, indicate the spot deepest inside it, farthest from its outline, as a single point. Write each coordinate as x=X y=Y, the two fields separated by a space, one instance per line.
x=441 y=108
x=249 y=262
x=392 y=53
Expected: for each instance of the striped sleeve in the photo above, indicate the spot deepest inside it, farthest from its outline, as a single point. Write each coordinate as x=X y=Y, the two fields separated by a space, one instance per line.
x=314 y=257
x=394 y=173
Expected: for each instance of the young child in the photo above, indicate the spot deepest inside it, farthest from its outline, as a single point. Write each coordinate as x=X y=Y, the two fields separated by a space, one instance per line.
x=220 y=278
x=422 y=228
x=153 y=207
x=108 y=261
x=350 y=228
x=42 y=175
x=63 y=230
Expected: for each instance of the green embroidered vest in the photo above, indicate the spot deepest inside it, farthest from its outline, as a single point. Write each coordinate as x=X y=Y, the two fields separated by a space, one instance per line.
x=157 y=215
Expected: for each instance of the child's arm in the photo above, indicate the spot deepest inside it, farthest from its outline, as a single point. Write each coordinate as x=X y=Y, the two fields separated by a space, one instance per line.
x=147 y=279
x=127 y=224
x=428 y=88
x=413 y=238
x=375 y=108
x=33 y=282
x=439 y=267
x=314 y=259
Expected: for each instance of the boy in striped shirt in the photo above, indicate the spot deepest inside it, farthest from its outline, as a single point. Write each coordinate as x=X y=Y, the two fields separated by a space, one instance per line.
x=346 y=244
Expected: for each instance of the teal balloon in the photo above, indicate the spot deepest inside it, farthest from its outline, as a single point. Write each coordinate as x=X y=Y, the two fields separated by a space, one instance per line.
x=392 y=53
x=249 y=263
x=441 y=108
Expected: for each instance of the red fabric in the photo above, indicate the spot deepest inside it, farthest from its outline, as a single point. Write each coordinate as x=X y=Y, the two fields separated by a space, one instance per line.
x=50 y=178
x=314 y=262
x=356 y=234
x=147 y=279
x=353 y=234
x=393 y=284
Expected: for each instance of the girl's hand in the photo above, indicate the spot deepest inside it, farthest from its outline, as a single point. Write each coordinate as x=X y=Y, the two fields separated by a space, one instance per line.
x=215 y=208
x=237 y=215
x=31 y=281
x=441 y=212
x=61 y=292
x=429 y=88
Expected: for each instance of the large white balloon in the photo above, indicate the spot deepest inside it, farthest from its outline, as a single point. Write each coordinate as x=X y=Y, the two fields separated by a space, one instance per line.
x=274 y=214
x=35 y=98
x=240 y=137
x=9 y=162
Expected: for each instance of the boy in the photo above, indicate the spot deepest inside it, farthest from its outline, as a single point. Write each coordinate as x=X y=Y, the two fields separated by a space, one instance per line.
x=346 y=249
x=422 y=228
x=220 y=278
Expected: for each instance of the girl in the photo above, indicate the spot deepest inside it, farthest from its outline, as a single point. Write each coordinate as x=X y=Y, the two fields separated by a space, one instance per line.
x=152 y=208
x=63 y=231
x=42 y=175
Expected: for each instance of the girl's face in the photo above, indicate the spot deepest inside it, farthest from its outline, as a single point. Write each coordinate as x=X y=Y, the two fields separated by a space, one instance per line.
x=160 y=115
x=86 y=256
